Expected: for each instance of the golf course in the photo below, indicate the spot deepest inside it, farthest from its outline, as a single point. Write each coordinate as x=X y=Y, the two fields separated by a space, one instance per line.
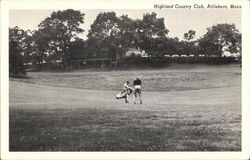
x=185 y=108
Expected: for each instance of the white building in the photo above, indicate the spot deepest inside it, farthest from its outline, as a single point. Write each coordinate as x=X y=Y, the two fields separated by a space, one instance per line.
x=136 y=52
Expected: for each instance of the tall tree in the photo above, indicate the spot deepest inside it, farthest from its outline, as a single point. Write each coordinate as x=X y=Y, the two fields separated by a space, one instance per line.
x=128 y=32
x=220 y=38
x=61 y=28
x=40 y=47
x=151 y=27
x=188 y=46
x=17 y=45
x=103 y=36
x=117 y=34
x=105 y=25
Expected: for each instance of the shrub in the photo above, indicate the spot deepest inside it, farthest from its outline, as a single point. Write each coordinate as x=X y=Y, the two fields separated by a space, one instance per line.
x=163 y=61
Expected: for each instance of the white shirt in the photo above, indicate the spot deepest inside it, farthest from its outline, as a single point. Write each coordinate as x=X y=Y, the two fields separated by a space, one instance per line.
x=125 y=86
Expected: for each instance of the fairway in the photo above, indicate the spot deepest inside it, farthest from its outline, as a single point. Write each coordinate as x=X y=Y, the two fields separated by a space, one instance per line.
x=55 y=112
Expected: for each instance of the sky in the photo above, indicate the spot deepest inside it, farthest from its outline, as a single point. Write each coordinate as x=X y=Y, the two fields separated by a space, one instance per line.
x=177 y=22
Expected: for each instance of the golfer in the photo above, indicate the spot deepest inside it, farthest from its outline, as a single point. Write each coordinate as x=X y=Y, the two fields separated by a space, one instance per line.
x=126 y=89
x=137 y=89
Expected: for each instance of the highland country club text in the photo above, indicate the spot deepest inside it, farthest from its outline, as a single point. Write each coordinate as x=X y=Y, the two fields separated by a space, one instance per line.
x=196 y=6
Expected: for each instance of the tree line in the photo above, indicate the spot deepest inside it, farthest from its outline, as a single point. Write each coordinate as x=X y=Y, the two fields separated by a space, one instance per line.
x=57 y=39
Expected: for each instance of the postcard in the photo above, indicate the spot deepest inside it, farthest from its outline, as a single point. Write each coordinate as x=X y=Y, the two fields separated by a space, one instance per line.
x=105 y=79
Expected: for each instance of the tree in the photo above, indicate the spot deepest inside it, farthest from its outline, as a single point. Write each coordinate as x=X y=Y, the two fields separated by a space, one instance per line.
x=16 y=50
x=77 y=49
x=150 y=27
x=115 y=35
x=189 y=35
x=128 y=32
x=40 y=47
x=60 y=29
x=170 y=46
x=105 y=25
x=112 y=35
x=220 y=38
x=102 y=37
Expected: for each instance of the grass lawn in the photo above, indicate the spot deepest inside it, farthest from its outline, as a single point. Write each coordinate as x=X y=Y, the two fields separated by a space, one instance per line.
x=198 y=109
x=174 y=77
x=116 y=130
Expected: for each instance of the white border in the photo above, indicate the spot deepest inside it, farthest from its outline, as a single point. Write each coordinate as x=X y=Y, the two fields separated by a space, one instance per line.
x=6 y=5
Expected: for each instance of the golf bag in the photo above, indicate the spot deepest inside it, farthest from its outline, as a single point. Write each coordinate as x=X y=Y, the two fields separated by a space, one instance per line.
x=123 y=93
